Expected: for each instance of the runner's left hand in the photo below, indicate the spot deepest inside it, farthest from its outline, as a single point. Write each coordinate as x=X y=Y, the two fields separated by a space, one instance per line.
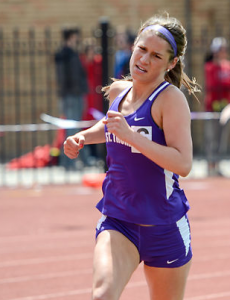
x=117 y=125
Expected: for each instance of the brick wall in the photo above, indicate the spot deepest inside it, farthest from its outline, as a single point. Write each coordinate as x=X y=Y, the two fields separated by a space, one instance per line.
x=57 y=13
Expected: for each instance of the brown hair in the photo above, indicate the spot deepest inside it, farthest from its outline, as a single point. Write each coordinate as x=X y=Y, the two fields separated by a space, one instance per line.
x=176 y=76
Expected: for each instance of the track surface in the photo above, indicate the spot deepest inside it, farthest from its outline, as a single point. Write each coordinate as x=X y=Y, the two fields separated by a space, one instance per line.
x=47 y=241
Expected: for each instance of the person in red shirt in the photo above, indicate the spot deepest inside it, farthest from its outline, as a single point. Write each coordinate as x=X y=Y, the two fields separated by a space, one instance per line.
x=217 y=83
x=92 y=62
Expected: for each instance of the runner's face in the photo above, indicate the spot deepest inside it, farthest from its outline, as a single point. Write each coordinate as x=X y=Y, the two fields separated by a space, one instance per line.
x=150 y=58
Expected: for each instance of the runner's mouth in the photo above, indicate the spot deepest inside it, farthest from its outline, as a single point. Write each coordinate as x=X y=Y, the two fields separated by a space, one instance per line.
x=141 y=69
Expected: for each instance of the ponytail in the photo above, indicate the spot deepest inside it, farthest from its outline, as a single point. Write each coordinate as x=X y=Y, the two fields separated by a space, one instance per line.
x=178 y=77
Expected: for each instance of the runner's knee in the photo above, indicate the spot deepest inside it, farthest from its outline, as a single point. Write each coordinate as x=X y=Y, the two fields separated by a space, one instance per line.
x=103 y=293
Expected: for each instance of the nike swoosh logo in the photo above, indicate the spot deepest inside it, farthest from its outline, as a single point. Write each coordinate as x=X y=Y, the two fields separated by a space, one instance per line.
x=171 y=261
x=138 y=119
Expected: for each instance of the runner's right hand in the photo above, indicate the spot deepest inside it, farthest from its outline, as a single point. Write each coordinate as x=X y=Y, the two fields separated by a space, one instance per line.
x=73 y=144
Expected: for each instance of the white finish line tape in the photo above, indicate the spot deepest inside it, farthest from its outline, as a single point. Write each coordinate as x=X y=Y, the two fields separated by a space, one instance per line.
x=54 y=122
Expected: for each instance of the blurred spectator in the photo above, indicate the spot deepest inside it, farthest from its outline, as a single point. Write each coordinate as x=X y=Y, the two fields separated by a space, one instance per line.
x=124 y=40
x=92 y=62
x=71 y=81
x=217 y=81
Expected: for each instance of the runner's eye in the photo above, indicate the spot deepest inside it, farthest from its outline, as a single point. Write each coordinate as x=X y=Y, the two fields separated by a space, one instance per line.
x=142 y=48
x=157 y=56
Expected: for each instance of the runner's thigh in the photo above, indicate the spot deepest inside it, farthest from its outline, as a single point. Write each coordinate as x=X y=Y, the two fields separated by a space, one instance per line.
x=167 y=283
x=115 y=259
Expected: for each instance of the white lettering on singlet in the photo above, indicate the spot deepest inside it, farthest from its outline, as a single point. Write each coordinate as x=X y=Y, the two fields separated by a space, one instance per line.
x=112 y=138
x=119 y=141
x=108 y=137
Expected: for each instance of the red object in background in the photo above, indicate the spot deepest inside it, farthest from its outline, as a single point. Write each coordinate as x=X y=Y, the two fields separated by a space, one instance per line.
x=94 y=97
x=41 y=156
x=93 y=180
x=59 y=139
x=217 y=78
x=38 y=158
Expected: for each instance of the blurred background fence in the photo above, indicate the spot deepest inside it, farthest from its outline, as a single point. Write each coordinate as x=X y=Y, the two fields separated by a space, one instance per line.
x=28 y=88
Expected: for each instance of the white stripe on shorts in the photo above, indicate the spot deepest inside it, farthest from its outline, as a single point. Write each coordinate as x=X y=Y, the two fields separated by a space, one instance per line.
x=183 y=227
x=100 y=221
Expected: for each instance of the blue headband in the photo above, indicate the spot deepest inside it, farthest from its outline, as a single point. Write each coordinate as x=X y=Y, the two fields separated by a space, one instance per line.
x=166 y=33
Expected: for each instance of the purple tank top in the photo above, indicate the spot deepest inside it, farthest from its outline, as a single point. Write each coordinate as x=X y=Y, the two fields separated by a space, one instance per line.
x=136 y=189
